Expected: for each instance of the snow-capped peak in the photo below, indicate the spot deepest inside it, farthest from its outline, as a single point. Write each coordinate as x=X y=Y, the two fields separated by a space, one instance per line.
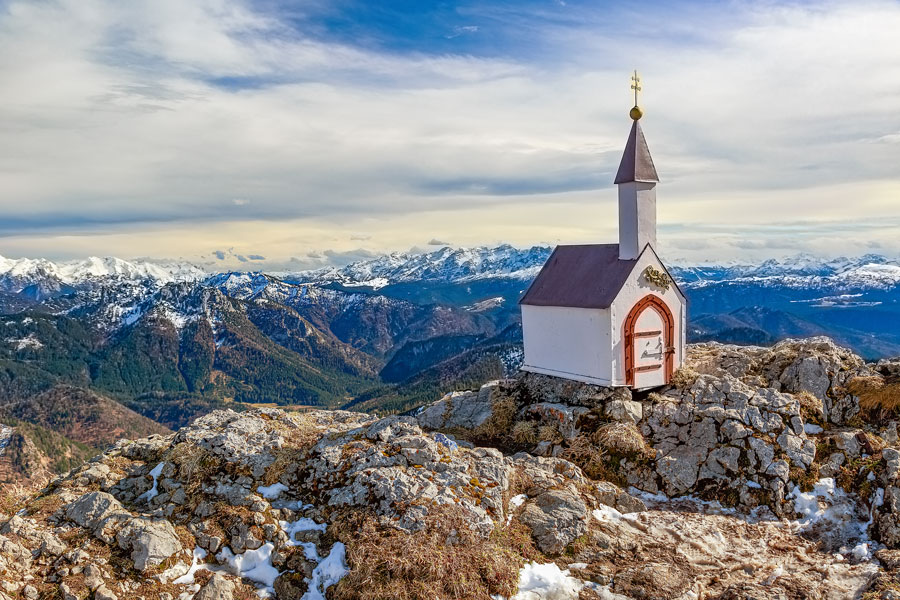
x=444 y=264
x=22 y=272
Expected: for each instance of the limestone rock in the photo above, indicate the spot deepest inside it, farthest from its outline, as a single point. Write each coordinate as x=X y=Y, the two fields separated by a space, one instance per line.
x=543 y=388
x=218 y=587
x=611 y=495
x=94 y=508
x=624 y=410
x=801 y=451
x=556 y=518
x=563 y=418
x=679 y=469
x=465 y=410
x=151 y=541
x=103 y=593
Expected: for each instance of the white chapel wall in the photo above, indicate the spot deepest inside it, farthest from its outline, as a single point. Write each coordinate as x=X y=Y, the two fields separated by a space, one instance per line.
x=568 y=342
x=637 y=218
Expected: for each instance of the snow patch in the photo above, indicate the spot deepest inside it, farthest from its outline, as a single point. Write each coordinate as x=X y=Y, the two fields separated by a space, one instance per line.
x=255 y=565
x=301 y=524
x=270 y=492
x=829 y=513
x=196 y=565
x=608 y=513
x=332 y=569
x=547 y=582
x=517 y=501
x=514 y=503
x=154 y=491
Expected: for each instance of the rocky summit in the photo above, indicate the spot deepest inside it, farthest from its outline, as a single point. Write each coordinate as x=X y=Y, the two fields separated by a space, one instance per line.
x=760 y=473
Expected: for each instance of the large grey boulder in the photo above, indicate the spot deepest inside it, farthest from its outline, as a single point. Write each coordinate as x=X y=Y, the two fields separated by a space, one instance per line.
x=98 y=512
x=218 y=587
x=399 y=471
x=556 y=519
x=93 y=508
x=679 y=469
x=151 y=541
x=462 y=410
x=626 y=411
x=612 y=495
x=814 y=365
x=800 y=450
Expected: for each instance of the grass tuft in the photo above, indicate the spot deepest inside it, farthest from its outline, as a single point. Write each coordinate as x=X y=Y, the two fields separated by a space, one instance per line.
x=684 y=377
x=878 y=400
x=446 y=561
x=525 y=432
x=622 y=438
x=811 y=408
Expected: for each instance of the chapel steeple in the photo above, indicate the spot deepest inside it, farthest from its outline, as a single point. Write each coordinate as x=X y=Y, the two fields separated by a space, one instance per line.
x=637 y=181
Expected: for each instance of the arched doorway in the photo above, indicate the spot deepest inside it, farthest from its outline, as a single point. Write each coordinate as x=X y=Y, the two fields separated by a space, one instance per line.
x=649 y=343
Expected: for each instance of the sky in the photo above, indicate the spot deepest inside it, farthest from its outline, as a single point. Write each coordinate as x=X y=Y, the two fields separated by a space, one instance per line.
x=302 y=133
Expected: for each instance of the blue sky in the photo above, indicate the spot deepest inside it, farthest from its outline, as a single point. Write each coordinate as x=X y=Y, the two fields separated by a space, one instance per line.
x=299 y=133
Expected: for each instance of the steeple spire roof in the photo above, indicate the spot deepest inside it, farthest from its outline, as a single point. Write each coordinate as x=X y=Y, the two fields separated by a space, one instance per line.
x=637 y=164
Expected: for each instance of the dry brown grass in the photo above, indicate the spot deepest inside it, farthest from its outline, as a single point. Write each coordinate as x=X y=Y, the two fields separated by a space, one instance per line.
x=590 y=457
x=684 y=377
x=621 y=438
x=549 y=433
x=285 y=457
x=44 y=506
x=304 y=435
x=500 y=423
x=878 y=400
x=387 y=563
x=810 y=407
x=194 y=464
x=525 y=432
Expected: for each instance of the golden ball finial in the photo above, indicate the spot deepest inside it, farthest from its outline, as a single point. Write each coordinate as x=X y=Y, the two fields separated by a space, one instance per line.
x=636 y=113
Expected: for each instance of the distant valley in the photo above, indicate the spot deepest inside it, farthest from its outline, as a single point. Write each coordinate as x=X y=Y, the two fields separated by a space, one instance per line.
x=165 y=342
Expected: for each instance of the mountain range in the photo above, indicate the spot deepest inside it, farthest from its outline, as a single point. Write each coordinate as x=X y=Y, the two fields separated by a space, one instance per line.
x=167 y=341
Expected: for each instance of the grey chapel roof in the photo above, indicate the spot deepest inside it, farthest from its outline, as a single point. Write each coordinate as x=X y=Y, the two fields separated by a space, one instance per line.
x=583 y=276
x=637 y=164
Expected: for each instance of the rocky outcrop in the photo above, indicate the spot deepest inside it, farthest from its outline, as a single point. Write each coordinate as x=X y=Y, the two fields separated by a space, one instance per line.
x=816 y=365
x=671 y=494
x=254 y=495
x=721 y=432
x=458 y=410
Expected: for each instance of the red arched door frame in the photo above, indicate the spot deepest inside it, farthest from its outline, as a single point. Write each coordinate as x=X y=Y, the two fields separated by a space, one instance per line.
x=656 y=303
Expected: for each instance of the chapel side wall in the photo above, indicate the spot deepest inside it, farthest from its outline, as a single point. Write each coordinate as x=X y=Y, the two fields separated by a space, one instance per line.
x=634 y=289
x=568 y=342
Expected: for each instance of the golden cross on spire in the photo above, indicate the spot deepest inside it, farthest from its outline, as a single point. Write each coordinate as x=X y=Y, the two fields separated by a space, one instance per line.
x=636 y=85
x=636 y=113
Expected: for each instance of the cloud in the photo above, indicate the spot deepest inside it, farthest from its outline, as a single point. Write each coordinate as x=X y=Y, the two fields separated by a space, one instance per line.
x=463 y=30
x=437 y=242
x=192 y=110
x=256 y=257
x=241 y=257
x=341 y=258
x=220 y=254
x=891 y=138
